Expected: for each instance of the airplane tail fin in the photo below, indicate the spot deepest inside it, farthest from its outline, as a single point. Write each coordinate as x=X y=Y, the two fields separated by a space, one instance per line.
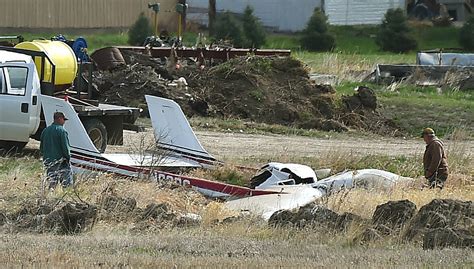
x=78 y=138
x=173 y=132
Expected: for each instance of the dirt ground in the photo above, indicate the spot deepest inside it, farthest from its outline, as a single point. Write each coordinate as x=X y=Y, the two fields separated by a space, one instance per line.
x=241 y=146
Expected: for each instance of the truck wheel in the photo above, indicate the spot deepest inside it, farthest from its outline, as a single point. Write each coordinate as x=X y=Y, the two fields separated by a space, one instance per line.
x=97 y=133
x=7 y=147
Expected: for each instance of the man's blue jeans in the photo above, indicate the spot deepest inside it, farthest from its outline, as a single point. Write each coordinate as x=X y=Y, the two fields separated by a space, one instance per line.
x=59 y=172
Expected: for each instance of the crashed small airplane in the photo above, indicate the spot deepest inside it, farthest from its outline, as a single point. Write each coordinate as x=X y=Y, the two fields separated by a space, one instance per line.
x=276 y=186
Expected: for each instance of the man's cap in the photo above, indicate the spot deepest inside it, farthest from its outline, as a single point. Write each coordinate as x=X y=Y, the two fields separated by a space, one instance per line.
x=428 y=131
x=59 y=114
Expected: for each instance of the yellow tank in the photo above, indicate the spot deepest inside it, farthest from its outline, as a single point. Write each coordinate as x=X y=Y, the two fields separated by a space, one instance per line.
x=62 y=56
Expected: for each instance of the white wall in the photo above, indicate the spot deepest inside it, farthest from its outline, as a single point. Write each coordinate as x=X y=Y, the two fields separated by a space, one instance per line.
x=292 y=15
x=353 y=12
x=283 y=15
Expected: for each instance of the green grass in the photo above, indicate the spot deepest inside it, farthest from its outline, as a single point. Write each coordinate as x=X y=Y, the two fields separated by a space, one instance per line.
x=361 y=39
x=97 y=41
x=414 y=108
x=349 y=39
x=247 y=127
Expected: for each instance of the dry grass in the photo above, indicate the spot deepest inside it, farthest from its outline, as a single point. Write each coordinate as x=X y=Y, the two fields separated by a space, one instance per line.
x=239 y=245
x=349 y=67
x=246 y=243
x=363 y=202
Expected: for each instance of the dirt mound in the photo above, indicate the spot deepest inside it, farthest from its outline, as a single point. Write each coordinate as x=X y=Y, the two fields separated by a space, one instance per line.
x=441 y=223
x=393 y=215
x=441 y=213
x=58 y=218
x=274 y=90
x=65 y=217
x=448 y=237
x=314 y=215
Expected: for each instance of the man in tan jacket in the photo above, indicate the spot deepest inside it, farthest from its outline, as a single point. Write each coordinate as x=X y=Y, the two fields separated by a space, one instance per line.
x=434 y=159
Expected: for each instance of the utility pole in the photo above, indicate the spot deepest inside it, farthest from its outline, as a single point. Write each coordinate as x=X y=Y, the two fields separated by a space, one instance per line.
x=183 y=15
x=212 y=16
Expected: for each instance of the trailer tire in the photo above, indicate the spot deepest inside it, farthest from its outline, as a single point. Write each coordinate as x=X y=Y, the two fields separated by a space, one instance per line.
x=97 y=133
x=9 y=147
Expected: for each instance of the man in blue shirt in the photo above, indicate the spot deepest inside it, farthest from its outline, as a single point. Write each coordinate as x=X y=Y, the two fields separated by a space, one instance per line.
x=56 y=152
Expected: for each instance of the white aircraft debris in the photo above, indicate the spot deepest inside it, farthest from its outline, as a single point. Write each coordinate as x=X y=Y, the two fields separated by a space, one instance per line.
x=276 y=186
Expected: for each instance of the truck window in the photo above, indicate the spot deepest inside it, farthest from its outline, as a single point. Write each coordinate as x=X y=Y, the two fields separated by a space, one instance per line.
x=18 y=77
x=2 y=82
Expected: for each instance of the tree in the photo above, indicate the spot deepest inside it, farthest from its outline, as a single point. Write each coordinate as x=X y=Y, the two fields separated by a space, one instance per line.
x=315 y=36
x=139 y=31
x=253 y=30
x=466 y=35
x=228 y=28
x=394 y=33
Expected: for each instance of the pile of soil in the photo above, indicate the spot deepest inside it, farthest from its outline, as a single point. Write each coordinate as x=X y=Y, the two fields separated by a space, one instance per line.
x=438 y=224
x=274 y=90
x=65 y=217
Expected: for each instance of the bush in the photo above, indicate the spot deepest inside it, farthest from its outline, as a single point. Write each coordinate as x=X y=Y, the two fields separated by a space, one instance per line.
x=466 y=35
x=394 y=33
x=227 y=28
x=315 y=36
x=139 y=31
x=253 y=30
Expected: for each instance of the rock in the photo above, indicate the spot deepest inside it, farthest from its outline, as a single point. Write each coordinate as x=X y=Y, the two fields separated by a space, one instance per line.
x=120 y=205
x=188 y=220
x=69 y=218
x=369 y=234
x=346 y=220
x=393 y=215
x=158 y=212
x=281 y=218
x=3 y=218
x=314 y=215
x=441 y=213
x=352 y=103
x=363 y=98
x=448 y=237
x=367 y=97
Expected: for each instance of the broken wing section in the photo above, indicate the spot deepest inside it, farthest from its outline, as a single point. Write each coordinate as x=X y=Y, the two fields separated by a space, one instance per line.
x=285 y=197
x=364 y=178
x=173 y=132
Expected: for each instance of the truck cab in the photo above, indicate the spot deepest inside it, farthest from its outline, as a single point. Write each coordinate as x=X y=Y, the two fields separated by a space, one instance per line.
x=25 y=76
x=19 y=104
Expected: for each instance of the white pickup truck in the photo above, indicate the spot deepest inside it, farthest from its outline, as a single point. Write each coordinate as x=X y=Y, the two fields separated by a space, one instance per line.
x=21 y=113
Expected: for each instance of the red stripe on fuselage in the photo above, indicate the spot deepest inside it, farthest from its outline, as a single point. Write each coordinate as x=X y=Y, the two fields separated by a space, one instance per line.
x=195 y=182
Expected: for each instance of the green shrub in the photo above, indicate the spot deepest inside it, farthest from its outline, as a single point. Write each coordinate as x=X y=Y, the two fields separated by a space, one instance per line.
x=139 y=31
x=394 y=33
x=253 y=30
x=315 y=36
x=228 y=28
x=466 y=35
